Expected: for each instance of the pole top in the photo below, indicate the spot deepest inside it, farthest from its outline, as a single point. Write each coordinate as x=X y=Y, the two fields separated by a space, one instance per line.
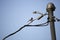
x=50 y=7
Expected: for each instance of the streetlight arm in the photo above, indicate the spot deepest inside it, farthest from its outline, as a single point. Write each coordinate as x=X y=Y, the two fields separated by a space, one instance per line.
x=41 y=16
x=37 y=12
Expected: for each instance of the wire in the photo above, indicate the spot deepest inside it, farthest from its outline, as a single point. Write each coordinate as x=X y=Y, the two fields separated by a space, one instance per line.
x=43 y=24
x=23 y=27
x=14 y=32
x=31 y=20
x=57 y=19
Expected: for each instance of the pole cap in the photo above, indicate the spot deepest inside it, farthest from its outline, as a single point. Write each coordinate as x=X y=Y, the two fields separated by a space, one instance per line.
x=50 y=7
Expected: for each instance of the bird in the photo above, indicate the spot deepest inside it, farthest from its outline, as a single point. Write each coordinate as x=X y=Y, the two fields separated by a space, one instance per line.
x=31 y=19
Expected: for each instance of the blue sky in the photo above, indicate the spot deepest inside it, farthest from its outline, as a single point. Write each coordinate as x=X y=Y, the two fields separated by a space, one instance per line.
x=15 y=13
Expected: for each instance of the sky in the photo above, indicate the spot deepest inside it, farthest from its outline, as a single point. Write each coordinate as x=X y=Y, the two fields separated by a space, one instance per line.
x=15 y=13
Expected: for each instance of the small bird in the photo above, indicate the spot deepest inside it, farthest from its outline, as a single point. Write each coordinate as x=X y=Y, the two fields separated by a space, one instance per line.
x=34 y=12
x=30 y=19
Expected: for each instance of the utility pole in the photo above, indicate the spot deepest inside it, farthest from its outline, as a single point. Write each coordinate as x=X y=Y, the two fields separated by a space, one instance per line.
x=51 y=19
x=50 y=9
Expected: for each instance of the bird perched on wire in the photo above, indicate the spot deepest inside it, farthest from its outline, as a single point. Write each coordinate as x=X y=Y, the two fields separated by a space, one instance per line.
x=30 y=20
